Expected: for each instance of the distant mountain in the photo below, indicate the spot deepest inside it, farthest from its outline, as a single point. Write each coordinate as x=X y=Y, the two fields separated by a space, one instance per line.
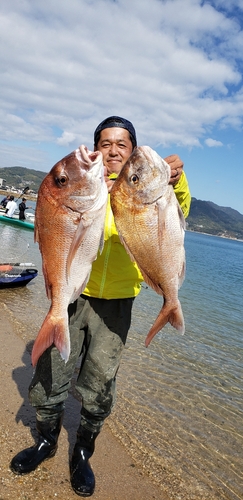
x=207 y=217
x=20 y=177
x=227 y=210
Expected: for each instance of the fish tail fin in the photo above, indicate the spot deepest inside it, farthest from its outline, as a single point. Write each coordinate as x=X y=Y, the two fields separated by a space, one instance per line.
x=54 y=330
x=174 y=316
x=176 y=319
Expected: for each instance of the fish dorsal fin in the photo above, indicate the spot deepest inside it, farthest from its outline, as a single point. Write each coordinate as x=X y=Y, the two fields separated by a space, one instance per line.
x=182 y=274
x=36 y=234
x=162 y=213
x=45 y=274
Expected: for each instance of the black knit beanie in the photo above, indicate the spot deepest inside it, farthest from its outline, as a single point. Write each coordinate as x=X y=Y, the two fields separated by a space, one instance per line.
x=115 y=121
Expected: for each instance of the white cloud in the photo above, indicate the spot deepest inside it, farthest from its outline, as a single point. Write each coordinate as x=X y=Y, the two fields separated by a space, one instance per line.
x=212 y=143
x=66 y=139
x=172 y=70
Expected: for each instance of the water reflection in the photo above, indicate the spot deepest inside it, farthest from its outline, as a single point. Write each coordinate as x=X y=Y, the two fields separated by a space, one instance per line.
x=179 y=406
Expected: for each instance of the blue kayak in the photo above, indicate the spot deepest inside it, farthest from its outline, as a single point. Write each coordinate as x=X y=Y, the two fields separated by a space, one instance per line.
x=15 y=275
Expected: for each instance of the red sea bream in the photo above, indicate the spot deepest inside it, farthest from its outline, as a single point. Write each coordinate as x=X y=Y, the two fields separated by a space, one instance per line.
x=69 y=224
x=151 y=226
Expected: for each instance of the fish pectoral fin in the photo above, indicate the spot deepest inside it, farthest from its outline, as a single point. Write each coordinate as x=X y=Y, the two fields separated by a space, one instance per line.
x=168 y=314
x=53 y=331
x=77 y=240
x=123 y=241
x=101 y=244
x=80 y=289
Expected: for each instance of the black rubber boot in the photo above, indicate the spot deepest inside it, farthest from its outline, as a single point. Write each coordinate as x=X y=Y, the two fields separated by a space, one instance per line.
x=82 y=476
x=29 y=459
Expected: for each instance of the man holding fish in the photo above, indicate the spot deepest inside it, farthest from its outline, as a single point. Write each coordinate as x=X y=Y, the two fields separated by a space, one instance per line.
x=90 y=271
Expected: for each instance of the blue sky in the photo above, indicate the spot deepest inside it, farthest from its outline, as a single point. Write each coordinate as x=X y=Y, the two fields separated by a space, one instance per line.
x=174 y=68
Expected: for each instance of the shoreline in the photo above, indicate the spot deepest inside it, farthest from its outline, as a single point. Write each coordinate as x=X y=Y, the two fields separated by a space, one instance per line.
x=215 y=235
x=33 y=198
x=17 y=195
x=117 y=475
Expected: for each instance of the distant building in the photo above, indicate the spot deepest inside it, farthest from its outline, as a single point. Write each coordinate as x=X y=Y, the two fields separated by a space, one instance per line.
x=2 y=183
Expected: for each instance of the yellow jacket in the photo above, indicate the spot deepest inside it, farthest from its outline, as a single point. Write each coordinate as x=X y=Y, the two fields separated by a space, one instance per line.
x=114 y=275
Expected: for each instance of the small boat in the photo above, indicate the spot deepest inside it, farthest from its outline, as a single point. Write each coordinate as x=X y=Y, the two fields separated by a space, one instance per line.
x=16 y=222
x=17 y=274
x=30 y=217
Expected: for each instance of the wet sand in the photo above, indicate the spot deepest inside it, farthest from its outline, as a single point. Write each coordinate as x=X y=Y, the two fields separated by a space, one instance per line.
x=118 y=477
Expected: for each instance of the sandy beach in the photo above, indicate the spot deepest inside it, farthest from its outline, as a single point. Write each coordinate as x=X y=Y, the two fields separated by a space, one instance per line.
x=118 y=477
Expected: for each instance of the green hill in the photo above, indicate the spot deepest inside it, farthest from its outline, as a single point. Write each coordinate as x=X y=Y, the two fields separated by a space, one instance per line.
x=20 y=177
x=207 y=217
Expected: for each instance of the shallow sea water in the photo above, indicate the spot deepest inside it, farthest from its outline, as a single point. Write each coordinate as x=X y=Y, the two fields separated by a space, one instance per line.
x=179 y=407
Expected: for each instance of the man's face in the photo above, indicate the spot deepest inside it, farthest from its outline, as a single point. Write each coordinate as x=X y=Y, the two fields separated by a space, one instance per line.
x=116 y=146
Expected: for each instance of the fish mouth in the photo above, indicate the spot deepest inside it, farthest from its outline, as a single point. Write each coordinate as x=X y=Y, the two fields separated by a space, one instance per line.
x=88 y=158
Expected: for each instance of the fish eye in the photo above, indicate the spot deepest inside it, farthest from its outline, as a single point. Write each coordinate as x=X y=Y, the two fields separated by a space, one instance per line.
x=62 y=180
x=134 y=179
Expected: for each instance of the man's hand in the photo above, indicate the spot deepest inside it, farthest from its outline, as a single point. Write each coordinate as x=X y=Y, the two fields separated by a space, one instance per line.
x=176 y=167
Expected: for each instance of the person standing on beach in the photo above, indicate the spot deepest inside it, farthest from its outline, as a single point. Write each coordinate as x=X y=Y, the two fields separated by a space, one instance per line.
x=99 y=322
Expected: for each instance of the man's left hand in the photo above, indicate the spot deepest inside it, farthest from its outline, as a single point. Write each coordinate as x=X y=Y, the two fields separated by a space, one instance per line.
x=176 y=167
